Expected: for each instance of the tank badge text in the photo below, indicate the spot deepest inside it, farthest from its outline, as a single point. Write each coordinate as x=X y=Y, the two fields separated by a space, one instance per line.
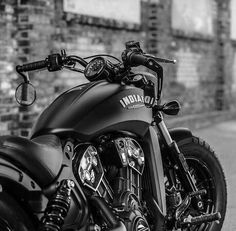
x=136 y=101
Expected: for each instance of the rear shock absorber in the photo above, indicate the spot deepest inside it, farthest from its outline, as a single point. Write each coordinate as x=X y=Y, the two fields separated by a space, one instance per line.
x=57 y=207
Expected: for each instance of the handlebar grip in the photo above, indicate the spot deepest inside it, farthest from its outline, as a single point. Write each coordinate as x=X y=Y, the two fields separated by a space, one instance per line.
x=32 y=66
x=135 y=59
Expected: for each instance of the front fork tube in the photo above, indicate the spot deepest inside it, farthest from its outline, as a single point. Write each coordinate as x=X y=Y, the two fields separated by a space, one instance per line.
x=177 y=158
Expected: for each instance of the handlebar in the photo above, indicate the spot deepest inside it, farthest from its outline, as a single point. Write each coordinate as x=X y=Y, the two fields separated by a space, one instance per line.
x=32 y=66
x=133 y=56
x=53 y=62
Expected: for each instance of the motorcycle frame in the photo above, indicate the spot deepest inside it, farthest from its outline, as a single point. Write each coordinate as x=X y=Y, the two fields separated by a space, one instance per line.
x=159 y=144
x=156 y=134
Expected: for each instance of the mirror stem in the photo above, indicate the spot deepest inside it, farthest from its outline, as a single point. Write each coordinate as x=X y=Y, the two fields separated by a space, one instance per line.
x=24 y=76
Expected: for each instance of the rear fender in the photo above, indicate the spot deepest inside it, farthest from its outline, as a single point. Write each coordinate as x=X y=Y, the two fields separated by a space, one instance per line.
x=13 y=173
x=34 y=199
x=22 y=188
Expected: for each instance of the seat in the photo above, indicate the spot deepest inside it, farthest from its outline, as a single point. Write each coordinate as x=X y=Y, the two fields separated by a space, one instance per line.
x=42 y=156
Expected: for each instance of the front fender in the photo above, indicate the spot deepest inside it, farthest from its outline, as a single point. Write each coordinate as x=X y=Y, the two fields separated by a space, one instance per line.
x=180 y=133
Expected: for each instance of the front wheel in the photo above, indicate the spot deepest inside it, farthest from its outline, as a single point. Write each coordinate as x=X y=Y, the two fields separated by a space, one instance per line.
x=208 y=174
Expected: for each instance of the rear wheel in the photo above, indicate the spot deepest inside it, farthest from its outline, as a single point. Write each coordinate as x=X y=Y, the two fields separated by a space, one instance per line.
x=12 y=216
x=207 y=173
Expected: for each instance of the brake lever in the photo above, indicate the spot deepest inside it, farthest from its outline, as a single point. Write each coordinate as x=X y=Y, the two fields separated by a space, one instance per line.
x=161 y=60
x=153 y=65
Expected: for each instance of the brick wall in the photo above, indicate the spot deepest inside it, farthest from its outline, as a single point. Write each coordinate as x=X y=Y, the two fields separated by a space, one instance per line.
x=232 y=54
x=78 y=35
x=196 y=74
x=8 y=107
x=196 y=34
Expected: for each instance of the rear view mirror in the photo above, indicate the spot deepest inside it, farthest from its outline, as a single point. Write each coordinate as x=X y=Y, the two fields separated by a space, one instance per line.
x=25 y=94
x=171 y=108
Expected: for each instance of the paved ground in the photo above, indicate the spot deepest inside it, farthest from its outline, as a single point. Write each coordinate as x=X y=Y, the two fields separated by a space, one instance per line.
x=222 y=138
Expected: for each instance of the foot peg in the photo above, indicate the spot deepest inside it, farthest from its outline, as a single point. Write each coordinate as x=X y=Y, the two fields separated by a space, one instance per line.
x=200 y=219
x=186 y=202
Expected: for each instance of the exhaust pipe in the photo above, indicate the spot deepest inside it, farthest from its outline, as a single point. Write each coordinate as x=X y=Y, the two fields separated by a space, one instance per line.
x=109 y=216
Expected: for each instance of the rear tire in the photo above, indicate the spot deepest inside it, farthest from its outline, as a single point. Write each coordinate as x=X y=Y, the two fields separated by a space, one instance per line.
x=207 y=173
x=12 y=216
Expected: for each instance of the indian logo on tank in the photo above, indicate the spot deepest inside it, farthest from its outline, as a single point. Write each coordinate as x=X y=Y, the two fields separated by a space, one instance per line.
x=136 y=101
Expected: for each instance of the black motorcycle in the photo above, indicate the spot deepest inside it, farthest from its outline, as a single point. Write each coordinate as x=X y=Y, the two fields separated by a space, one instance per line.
x=100 y=157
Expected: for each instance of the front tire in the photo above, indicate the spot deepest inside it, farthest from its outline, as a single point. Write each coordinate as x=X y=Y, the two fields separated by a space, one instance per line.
x=208 y=174
x=12 y=216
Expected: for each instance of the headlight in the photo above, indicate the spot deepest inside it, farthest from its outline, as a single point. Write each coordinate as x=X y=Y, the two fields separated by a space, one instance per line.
x=87 y=166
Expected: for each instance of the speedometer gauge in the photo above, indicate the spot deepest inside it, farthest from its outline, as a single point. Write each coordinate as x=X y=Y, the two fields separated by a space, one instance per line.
x=94 y=68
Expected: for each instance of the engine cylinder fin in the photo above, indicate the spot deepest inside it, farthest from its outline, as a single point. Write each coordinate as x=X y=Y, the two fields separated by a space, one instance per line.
x=146 y=183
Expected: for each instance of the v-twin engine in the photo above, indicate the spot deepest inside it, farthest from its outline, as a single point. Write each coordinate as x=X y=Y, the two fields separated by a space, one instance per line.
x=113 y=171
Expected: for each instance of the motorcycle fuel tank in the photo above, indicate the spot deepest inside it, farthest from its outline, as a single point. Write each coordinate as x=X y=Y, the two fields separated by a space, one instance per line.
x=95 y=108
